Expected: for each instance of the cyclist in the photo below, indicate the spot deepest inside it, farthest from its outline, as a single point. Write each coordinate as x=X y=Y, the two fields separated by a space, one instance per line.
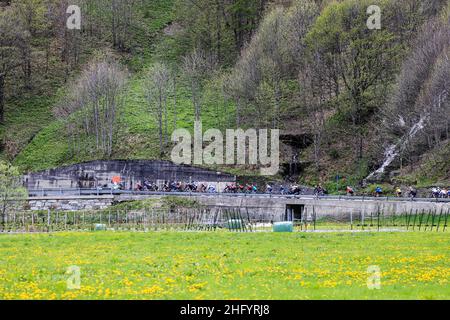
x=435 y=192
x=378 y=191
x=412 y=192
x=350 y=191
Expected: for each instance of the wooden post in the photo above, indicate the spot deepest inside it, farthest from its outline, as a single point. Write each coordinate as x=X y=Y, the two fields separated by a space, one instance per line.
x=421 y=219
x=407 y=219
x=371 y=218
x=446 y=216
x=414 y=221
x=432 y=219
x=428 y=219
x=314 y=219
x=439 y=221
x=351 y=220
x=145 y=218
x=362 y=219
x=378 y=218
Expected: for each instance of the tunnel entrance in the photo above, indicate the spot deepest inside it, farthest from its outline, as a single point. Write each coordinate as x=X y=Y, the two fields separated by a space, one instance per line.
x=294 y=213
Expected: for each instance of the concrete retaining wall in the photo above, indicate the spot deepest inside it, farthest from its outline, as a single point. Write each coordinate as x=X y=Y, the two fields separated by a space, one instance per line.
x=98 y=173
x=324 y=207
x=274 y=207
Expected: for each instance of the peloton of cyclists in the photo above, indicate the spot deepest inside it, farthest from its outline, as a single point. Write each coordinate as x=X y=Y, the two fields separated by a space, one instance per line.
x=270 y=188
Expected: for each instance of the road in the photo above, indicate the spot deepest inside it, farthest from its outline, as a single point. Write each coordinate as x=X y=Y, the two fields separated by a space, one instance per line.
x=35 y=193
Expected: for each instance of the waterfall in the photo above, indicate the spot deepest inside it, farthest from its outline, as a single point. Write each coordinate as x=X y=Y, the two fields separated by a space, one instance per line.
x=389 y=156
x=393 y=150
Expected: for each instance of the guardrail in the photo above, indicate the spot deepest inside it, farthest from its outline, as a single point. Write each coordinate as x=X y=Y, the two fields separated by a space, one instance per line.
x=47 y=192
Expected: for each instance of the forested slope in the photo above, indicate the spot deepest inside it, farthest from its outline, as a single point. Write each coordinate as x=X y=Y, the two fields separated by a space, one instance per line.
x=341 y=93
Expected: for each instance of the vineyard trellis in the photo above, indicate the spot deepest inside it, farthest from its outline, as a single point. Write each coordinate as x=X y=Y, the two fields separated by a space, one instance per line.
x=236 y=219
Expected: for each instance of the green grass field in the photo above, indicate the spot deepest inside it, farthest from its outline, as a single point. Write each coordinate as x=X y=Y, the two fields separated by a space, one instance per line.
x=224 y=265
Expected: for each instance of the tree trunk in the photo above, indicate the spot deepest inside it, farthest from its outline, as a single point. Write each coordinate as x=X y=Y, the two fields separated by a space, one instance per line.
x=218 y=32
x=174 y=103
x=113 y=24
x=160 y=124
x=2 y=97
x=166 y=124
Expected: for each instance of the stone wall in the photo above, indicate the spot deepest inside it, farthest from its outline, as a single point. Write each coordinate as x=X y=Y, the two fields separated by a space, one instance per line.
x=99 y=173
x=69 y=203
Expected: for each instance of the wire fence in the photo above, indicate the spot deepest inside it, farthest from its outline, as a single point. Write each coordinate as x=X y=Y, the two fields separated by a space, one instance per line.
x=413 y=220
x=234 y=219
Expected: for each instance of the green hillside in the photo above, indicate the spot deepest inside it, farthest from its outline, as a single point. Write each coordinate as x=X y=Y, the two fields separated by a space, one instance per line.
x=265 y=64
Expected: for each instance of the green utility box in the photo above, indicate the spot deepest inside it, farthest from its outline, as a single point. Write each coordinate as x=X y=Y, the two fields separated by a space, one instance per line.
x=286 y=226
x=100 y=227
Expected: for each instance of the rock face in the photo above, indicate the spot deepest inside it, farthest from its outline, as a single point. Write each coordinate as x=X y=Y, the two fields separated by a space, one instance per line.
x=98 y=173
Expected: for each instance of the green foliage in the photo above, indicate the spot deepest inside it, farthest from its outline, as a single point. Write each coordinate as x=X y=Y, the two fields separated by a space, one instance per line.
x=367 y=56
x=12 y=193
x=179 y=202
x=220 y=27
x=388 y=190
x=433 y=169
x=48 y=149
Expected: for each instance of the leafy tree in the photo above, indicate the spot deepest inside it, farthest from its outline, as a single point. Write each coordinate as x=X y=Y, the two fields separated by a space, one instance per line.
x=12 y=193
x=359 y=59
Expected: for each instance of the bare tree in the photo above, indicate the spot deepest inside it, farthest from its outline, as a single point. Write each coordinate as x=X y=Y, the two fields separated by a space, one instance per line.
x=121 y=22
x=195 y=67
x=156 y=87
x=94 y=102
x=314 y=100
x=275 y=54
x=423 y=79
x=14 y=43
x=416 y=118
